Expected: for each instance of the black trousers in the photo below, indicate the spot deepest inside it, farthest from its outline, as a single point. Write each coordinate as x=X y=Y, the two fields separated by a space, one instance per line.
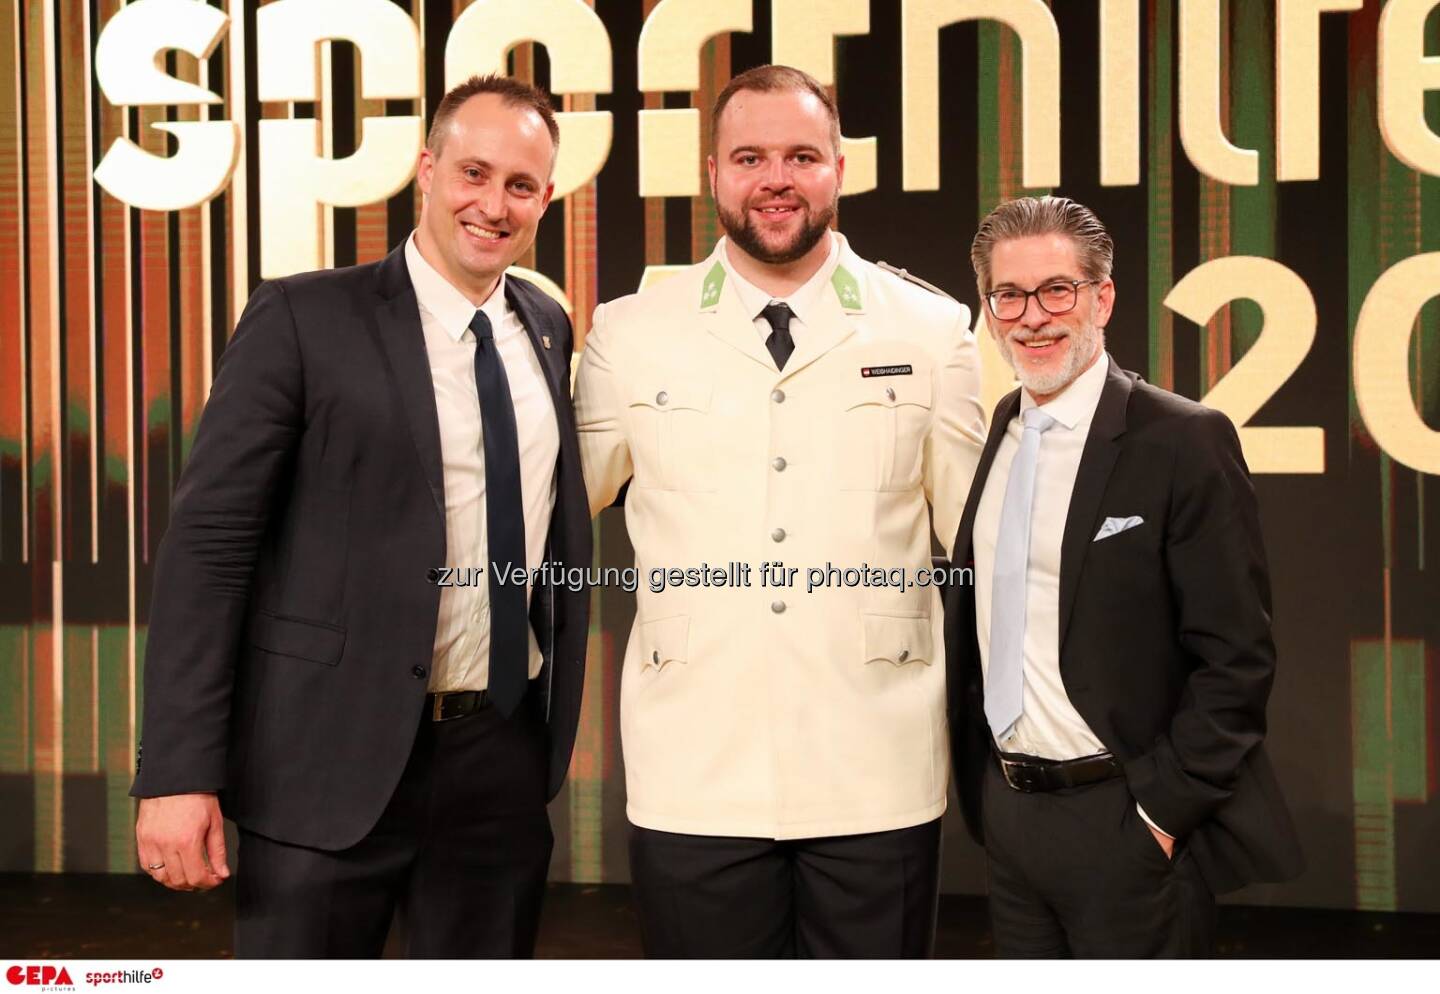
x=461 y=850
x=1076 y=873
x=712 y=897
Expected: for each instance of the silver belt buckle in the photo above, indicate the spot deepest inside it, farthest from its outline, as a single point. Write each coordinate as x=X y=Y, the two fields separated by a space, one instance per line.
x=438 y=707
x=1014 y=774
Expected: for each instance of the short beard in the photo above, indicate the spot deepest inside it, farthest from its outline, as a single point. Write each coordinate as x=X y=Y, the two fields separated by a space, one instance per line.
x=740 y=229
x=1048 y=384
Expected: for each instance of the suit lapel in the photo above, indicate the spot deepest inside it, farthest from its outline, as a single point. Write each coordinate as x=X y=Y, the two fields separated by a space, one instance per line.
x=537 y=327
x=1004 y=413
x=397 y=325
x=1102 y=448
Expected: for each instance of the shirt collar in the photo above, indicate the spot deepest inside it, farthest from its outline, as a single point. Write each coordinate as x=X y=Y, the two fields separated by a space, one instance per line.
x=442 y=301
x=803 y=302
x=1077 y=402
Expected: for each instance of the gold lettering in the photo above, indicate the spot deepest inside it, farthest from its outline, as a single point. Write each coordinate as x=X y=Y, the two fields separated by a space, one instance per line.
x=803 y=34
x=669 y=60
x=128 y=72
x=1382 y=361
x=1119 y=92
x=295 y=178
x=580 y=63
x=1286 y=335
x=921 y=21
x=1202 y=133
x=1406 y=74
x=1297 y=85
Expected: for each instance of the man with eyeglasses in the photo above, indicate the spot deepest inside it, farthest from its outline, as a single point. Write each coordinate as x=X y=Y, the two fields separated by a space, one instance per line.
x=1108 y=670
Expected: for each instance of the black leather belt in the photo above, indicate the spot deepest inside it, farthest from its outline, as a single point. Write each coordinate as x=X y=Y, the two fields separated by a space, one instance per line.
x=1034 y=775
x=456 y=704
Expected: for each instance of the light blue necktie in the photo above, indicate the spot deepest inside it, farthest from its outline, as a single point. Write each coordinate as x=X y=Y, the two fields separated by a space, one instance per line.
x=1005 y=674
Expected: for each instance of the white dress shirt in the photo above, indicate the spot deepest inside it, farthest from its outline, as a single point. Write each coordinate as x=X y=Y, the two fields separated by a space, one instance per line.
x=461 y=659
x=1049 y=726
x=802 y=302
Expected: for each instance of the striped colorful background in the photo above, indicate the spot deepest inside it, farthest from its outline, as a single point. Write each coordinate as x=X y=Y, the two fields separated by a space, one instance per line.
x=111 y=319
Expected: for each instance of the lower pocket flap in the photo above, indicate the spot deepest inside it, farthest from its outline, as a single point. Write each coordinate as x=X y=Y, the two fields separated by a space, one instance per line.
x=899 y=640
x=665 y=640
x=313 y=640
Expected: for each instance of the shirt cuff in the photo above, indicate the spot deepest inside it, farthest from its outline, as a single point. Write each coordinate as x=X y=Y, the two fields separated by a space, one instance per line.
x=1151 y=823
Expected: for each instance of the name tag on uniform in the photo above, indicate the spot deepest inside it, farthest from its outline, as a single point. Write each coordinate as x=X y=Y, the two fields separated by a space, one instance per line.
x=868 y=371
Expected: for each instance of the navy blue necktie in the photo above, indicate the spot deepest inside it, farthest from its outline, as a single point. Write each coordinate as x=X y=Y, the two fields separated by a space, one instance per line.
x=504 y=523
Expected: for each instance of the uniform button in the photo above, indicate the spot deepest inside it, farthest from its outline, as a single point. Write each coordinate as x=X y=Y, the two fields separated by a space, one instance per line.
x=432 y=575
x=662 y=398
x=779 y=463
x=778 y=607
x=418 y=672
x=889 y=393
x=655 y=657
x=778 y=396
x=778 y=535
x=904 y=655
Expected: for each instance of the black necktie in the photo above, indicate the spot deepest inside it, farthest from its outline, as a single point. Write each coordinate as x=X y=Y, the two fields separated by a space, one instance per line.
x=779 y=343
x=504 y=523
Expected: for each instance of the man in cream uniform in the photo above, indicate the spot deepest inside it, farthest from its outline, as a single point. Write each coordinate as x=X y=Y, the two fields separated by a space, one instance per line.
x=784 y=401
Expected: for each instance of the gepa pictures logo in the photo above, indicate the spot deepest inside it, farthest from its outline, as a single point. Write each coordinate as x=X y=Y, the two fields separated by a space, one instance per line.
x=44 y=977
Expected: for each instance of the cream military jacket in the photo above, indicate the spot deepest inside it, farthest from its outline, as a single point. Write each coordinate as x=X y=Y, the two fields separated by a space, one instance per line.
x=750 y=708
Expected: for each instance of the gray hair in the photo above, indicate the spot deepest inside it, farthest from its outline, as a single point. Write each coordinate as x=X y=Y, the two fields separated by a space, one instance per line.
x=1026 y=216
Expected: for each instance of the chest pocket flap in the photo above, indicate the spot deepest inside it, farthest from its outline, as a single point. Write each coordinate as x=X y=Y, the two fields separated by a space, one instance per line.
x=890 y=391
x=897 y=640
x=671 y=433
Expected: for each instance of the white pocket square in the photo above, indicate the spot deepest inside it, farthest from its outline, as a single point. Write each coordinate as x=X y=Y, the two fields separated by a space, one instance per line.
x=1114 y=526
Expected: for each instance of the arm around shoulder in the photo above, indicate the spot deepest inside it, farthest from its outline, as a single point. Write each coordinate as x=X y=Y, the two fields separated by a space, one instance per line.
x=957 y=432
x=604 y=448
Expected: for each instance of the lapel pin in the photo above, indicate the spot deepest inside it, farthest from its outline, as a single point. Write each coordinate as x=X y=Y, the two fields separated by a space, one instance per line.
x=545 y=340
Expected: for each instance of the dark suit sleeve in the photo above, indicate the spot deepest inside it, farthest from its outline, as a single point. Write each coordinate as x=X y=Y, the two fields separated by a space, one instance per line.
x=221 y=509
x=1221 y=588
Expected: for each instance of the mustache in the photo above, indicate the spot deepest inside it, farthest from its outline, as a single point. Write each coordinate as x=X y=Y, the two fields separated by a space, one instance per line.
x=1032 y=336
x=772 y=202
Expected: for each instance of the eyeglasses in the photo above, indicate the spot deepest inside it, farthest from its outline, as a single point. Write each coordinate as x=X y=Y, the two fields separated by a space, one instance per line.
x=1056 y=297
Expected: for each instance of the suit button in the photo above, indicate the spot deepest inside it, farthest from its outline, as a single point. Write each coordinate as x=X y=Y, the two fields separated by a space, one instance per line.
x=778 y=607
x=778 y=396
x=662 y=398
x=418 y=672
x=432 y=575
x=778 y=535
x=779 y=463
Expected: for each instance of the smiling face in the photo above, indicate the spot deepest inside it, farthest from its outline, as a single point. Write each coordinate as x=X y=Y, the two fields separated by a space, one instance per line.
x=775 y=175
x=486 y=185
x=1048 y=351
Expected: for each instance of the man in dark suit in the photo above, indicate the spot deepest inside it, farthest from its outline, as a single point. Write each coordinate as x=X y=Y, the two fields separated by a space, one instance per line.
x=332 y=662
x=1109 y=666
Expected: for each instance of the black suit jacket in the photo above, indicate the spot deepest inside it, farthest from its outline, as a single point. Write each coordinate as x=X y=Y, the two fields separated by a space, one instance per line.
x=293 y=620
x=1165 y=646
